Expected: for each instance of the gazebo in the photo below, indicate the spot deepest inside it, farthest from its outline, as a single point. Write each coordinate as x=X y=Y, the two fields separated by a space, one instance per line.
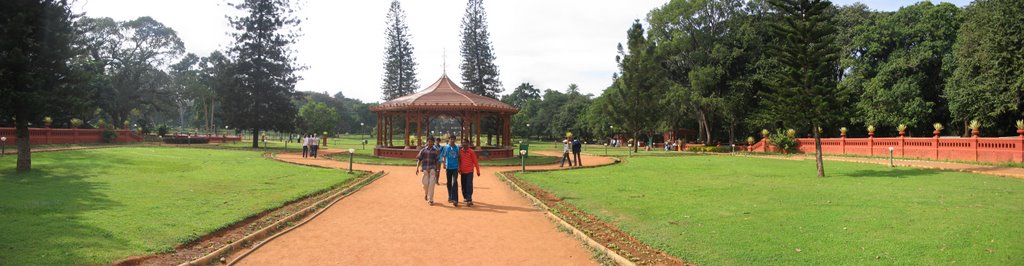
x=443 y=100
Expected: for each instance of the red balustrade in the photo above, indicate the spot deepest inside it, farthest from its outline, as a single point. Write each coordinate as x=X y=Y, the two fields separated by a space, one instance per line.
x=1010 y=149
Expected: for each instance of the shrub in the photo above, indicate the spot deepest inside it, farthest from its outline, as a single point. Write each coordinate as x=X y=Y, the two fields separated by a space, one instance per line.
x=975 y=125
x=705 y=149
x=901 y=127
x=162 y=130
x=938 y=126
x=185 y=140
x=75 y=122
x=109 y=136
x=1020 y=124
x=783 y=141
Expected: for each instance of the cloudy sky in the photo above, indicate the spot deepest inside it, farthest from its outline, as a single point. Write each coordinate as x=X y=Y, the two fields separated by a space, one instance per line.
x=549 y=43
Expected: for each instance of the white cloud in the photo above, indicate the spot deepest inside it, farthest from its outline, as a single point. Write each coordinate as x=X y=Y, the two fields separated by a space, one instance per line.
x=548 y=43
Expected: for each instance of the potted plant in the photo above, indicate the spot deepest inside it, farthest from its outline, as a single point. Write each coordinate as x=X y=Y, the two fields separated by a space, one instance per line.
x=842 y=131
x=871 y=131
x=938 y=129
x=126 y=123
x=1020 y=128
x=902 y=128
x=750 y=140
x=791 y=133
x=764 y=133
x=975 y=128
x=75 y=122
x=47 y=121
x=101 y=123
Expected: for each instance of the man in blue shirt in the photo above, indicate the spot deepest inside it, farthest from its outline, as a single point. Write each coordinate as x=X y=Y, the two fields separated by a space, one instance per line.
x=577 y=148
x=450 y=159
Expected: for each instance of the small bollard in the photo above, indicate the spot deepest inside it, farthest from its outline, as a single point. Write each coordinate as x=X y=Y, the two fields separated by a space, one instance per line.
x=890 y=158
x=350 y=152
x=522 y=159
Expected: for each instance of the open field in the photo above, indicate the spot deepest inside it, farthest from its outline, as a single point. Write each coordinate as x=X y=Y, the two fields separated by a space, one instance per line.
x=100 y=205
x=741 y=211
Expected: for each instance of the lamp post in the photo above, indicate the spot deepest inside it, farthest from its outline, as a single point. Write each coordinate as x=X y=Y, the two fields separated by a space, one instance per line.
x=161 y=140
x=890 y=157
x=606 y=149
x=361 y=125
x=189 y=140
x=522 y=159
x=350 y=152
x=528 y=133
x=3 y=146
x=734 y=148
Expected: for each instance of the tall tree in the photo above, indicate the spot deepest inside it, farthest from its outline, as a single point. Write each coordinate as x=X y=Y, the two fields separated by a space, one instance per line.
x=704 y=47
x=479 y=73
x=900 y=75
x=399 y=63
x=634 y=95
x=264 y=68
x=988 y=81
x=36 y=42
x=133 y=55
x=525 y=92
x=317 y=117
x=804 y=92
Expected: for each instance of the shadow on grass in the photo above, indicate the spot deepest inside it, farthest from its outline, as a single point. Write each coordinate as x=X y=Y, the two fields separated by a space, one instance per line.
x=42 y=221
x=896 y=172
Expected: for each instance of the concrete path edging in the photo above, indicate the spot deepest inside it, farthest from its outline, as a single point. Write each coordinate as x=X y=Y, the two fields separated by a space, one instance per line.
x=264 y=235
x=558 y=220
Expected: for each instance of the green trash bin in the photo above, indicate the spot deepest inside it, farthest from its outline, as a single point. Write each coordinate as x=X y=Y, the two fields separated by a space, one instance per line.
x=524 y=147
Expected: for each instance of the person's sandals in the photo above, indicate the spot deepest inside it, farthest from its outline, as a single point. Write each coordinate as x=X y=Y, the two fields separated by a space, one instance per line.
x=430 y=202
x=469 y=204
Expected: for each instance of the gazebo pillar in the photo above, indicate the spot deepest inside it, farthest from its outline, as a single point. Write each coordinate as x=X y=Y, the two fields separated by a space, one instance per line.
x=407 y=144
x=477 y=117
x=419 y=130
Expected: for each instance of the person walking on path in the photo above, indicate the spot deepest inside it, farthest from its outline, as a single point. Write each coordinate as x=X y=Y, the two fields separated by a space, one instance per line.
x=468 y=162
x=305 y=146
x=427 y=163
x=577 y=147
x=315 y=141
x=450 y=158
x=565 y=153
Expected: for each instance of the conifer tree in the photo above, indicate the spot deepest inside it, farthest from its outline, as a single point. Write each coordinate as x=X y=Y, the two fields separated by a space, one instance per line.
x=399 y=63
x=479 y=74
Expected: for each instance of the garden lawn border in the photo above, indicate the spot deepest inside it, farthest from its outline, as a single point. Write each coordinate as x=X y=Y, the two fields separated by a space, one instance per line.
x=280 y=227
x=575 y=231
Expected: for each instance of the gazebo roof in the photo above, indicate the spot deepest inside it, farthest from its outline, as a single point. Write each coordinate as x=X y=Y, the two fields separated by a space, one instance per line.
x=444 y=95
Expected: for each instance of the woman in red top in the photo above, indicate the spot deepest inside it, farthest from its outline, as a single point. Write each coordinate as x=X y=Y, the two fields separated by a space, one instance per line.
x=467 y=162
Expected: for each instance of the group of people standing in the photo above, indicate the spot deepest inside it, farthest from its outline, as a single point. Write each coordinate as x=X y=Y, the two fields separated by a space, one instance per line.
x=458 y=162
x=310 y=146
x=574 y=146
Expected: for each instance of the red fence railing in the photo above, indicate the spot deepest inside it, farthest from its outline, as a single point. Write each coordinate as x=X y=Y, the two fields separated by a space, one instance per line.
x=38 y=136
x=959 y=149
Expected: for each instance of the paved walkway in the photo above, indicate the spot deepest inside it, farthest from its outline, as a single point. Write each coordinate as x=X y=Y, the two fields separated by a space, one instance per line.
x=1015 y=172
x=388 y=223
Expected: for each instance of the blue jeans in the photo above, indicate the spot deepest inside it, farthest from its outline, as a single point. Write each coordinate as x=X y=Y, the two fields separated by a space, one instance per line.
x=305 y=151
x=314 y=150
x=467 y=186
x=452 y=182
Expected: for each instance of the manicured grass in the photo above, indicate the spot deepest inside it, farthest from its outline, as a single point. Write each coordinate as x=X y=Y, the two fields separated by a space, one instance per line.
x=754 y=211
x=97 y=206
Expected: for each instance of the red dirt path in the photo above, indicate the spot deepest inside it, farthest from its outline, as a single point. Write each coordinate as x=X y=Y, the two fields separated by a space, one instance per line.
x=388 y=223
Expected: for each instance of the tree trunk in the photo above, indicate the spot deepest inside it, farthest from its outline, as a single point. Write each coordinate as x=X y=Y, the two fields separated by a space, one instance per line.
x=256 y=138
x=817 y=150
x=967 y=129
x=24 y=145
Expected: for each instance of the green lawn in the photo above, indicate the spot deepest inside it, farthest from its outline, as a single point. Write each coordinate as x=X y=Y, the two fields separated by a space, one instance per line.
x=742 y=211
x=97 y=206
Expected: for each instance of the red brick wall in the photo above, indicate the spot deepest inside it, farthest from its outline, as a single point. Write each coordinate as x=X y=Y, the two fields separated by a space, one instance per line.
x=40 y=136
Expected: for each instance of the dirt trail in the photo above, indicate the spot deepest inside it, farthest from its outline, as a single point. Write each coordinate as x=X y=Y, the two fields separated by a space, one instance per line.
x=388 y=223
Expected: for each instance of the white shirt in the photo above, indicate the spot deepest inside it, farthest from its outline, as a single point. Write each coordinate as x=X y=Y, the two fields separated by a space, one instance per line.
x=305 y=141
